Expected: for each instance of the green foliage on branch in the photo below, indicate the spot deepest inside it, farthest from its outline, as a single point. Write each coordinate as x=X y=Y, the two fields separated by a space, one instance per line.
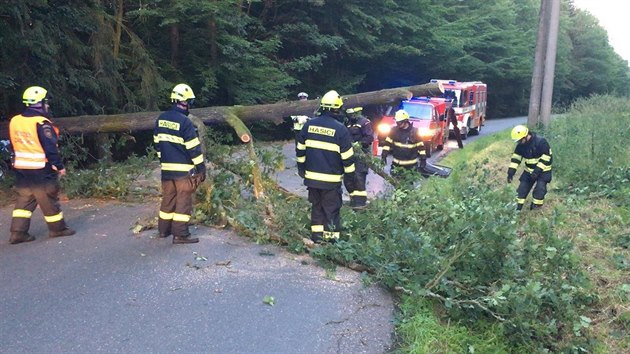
x=459 y=244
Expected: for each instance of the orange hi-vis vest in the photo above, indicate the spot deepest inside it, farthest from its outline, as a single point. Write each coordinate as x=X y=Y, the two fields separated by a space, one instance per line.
x=29 y=153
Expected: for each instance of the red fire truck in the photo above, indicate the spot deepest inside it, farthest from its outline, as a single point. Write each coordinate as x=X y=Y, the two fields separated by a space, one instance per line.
x=428 y=114
x=469 y=103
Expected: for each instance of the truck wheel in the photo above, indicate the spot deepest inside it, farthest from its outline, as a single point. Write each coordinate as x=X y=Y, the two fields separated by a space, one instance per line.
x=475 y=131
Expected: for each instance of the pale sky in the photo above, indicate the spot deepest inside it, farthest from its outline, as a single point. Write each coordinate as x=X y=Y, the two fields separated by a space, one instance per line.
x=613 y=15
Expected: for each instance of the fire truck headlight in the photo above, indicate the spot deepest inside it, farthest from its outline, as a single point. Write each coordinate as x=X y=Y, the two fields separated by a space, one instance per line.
x=384 y=128
x=424 y=131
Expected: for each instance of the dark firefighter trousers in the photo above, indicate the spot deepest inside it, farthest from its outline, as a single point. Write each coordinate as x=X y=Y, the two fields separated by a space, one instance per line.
x=358 y=197
x=526 y=184
x=325 y=213
x=176 y=207
x=34 y=190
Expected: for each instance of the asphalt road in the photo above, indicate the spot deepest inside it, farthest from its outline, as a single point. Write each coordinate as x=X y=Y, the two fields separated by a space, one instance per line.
x=107 y=289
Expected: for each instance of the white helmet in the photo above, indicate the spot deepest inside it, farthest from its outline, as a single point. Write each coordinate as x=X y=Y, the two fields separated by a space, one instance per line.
x=302 y=95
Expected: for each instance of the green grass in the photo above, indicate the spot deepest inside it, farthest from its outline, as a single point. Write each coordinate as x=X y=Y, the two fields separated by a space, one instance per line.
x=420 y=331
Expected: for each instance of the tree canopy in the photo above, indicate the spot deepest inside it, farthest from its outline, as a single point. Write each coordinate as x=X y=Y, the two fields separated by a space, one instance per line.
x=113 y=56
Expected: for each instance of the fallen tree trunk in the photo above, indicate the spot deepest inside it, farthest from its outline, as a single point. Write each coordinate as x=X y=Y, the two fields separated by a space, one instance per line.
x=131 y=122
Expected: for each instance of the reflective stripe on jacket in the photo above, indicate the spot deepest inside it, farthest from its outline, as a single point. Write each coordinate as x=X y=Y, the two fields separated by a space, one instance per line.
x=28 y=149
x=536 y=154
x=362 y=132
x=405 y=146
x=324 y=153
x=178 y=145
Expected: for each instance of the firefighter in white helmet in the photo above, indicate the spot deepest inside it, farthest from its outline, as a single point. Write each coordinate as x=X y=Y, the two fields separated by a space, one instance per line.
x=405 y=145
x=535 y=151
x=182 y=164
x=37 y=166
x=324 y=155
x=299 y=120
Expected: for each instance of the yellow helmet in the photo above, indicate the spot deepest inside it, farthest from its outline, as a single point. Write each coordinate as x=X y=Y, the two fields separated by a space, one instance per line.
x=401 y=115
x=182 y=92
x=331 y=100
x=519 y=132
x=33 y=95
x=354 y=110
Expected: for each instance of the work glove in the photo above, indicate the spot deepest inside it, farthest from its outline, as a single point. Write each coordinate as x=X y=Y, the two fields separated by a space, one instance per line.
x=195 y=180
x=510 y=177
x=384 y=158
x=423 y=164
x=301 y=173
x=198 y=176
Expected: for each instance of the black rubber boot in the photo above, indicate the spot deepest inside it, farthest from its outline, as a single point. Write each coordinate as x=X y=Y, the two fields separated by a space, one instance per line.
x=65 y=232
x=19 y=237
x=184 y=239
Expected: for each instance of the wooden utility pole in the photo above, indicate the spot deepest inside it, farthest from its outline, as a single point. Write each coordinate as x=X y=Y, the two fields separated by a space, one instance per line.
x=550 y=63
x=541 y=95
x=539 y=65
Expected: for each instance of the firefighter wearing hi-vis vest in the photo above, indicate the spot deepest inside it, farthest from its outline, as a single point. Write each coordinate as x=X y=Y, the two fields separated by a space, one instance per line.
x=182 y=165
x=534 y=150
x=362 y=135
x=38 y=166
x=324 y=155
x=405 y=145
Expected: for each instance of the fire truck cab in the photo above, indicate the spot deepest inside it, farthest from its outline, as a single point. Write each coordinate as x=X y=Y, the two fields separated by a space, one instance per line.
x=469 y=103
x=427 y=114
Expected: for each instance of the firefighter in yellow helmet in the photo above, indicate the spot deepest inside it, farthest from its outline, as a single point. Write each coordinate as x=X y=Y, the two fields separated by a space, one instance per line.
x=534 y=150
x=182 y=163
x=37 y=166
x=405 y=145
x=324 y=155
x=362 y=136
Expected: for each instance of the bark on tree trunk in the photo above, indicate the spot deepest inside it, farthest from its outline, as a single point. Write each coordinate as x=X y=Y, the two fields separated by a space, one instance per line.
x=120 y=11
x=276 y=112
x=174 y=37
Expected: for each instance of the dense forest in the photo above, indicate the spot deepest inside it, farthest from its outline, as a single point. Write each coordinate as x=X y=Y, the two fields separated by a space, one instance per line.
x=112 y=56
